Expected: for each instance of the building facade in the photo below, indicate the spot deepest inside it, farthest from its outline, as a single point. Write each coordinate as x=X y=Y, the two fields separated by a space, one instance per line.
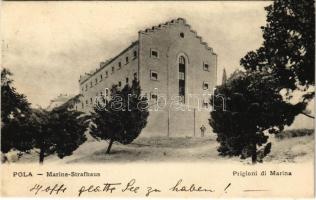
x=177 y=72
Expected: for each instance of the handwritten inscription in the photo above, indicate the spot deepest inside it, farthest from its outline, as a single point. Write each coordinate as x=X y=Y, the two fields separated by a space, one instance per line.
x=151 y=190
x=56 y=189
x=130 y=187
x=179 y=187
x=107 y=187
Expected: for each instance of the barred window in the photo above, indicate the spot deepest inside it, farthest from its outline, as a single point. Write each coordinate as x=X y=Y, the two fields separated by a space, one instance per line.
x=181 y=75
x=153 y=75
x=153 y=96
x=154 y=53
x=135 y=54
x=205 y=85
x=205 y=67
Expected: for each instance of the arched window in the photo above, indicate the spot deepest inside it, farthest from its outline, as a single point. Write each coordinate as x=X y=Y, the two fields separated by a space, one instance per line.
x=182 y=79
x=181 y=60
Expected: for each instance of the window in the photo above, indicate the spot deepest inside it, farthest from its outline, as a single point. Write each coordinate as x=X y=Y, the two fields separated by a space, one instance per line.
x=205 y=85
x=112 y=70
x=96 y=81
x=181 y=76
x=182 y=79
x=126 y=60
x=205 y=103
x=182 y=35
x=101 y=77
x=126 y=80
x=153 y=96
x=82 y=105
x=106 y=74
x=119 y=65
x=135 y=54
x=154 y=53
x=205 y=67
x=153 y=75
x=87 y=102
x=90 y=100
x=119 y=83
x=91 y=84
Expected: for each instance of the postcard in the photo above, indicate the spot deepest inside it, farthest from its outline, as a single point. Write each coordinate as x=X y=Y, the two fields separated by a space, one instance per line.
x=157 y=99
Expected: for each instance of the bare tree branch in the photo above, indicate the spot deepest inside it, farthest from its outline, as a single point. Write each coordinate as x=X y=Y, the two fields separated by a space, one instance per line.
x=308 y=115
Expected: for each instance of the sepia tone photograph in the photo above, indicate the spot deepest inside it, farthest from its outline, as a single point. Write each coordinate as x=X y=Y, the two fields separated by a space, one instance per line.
x=165 y=83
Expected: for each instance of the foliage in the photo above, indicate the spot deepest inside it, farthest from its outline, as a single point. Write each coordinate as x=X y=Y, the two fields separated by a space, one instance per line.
x=15 y=111
x=123 y=116
x=288 y=51
x=253 y=108
x=59 y=131
x=254 y=104
x=295 y=133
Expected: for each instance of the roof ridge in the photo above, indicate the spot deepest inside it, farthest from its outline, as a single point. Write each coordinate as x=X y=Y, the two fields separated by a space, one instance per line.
x=174 y=21
x=104 y=64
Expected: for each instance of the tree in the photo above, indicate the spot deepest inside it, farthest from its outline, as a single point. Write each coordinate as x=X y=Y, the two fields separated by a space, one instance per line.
x=59 y=131
x=288 y=50
x=15 y=112
x=253 y=109
x=255 y=103
x=224 y=78
x=123 y=117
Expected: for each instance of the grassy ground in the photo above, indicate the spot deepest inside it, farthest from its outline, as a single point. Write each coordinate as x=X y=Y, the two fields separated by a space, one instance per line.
x=295 y=149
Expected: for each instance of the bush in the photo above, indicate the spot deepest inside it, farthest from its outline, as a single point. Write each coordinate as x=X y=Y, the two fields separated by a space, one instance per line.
x=294 y=133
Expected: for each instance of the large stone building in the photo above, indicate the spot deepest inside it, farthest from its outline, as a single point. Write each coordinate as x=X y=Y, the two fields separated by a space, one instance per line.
x=177 y=71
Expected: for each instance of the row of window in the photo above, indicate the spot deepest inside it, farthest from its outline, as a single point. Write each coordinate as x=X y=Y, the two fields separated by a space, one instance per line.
x=155 y=54
x=154 y=97
x=154 y=76
x=101 y=78
x=96 y=80
x=90 y=101
x=107 y=93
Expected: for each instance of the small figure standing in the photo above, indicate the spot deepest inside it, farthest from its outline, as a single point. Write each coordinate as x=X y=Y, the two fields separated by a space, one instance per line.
x=202 y=130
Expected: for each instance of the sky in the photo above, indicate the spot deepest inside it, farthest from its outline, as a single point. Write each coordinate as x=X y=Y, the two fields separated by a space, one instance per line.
x=48 y=45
